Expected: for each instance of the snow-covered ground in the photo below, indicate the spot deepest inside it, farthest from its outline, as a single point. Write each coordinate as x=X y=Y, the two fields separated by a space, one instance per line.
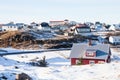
x=59 y=67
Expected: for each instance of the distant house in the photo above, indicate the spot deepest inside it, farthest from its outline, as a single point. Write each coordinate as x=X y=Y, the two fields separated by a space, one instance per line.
x=102 y=39
x=82 y=28
x=61 y=27
x=87 y=54
x=98 y=27
x=34 y=24
x=44 y=27
x=10 y=27
x=115 y=27
x=55 y=23
x=89 y=23
x=114 y=39
x=20 y=25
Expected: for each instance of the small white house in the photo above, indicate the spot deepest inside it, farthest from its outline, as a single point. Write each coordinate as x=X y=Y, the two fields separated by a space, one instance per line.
x=10 y=27
x=114 y=39
x=34 y=26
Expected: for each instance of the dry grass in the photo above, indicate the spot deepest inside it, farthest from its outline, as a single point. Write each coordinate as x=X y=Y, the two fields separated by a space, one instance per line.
x=9 y=34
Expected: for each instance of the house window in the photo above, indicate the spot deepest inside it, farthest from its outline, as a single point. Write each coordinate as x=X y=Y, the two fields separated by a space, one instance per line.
x=101 y=62
x=90 y=53
x=91 y=62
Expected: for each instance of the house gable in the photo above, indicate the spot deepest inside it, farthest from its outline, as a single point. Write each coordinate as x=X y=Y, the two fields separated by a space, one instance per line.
x=102 y=51
x=90 y=53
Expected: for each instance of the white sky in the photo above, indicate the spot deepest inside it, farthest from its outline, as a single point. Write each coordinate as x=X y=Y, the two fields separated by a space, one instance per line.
x=28 y=11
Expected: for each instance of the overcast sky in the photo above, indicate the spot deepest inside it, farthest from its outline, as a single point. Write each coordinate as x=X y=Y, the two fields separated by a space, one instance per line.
x=28 y=11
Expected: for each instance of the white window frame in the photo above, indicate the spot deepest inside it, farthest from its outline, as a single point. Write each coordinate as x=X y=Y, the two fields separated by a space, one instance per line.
x=91 y=62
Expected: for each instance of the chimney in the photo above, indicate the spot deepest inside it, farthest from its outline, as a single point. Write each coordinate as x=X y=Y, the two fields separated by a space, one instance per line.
x=90 y=42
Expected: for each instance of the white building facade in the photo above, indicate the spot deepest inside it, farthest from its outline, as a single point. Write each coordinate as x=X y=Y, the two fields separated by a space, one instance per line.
x=9 y=28
x=114 y=39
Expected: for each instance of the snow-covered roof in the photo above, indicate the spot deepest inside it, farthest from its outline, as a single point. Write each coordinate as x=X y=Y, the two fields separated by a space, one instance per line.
x=19 y=24
x=9 y=24
x=78 y=51
x=14 y=25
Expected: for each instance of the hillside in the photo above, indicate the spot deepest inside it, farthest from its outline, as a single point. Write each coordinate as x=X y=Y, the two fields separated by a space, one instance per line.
x=34 y=40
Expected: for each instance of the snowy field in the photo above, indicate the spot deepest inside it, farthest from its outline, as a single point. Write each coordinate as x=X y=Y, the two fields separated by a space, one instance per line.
x=59 y=67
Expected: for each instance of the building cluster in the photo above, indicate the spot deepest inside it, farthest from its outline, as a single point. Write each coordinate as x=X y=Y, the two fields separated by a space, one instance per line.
x=68 y=28
x=63 y=24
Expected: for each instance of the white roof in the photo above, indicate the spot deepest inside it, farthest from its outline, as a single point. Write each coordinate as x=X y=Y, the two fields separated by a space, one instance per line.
x=77 y=50
x=115 y=37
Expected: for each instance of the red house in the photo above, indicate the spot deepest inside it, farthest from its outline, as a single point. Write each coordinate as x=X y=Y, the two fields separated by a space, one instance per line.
x=90 y=54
